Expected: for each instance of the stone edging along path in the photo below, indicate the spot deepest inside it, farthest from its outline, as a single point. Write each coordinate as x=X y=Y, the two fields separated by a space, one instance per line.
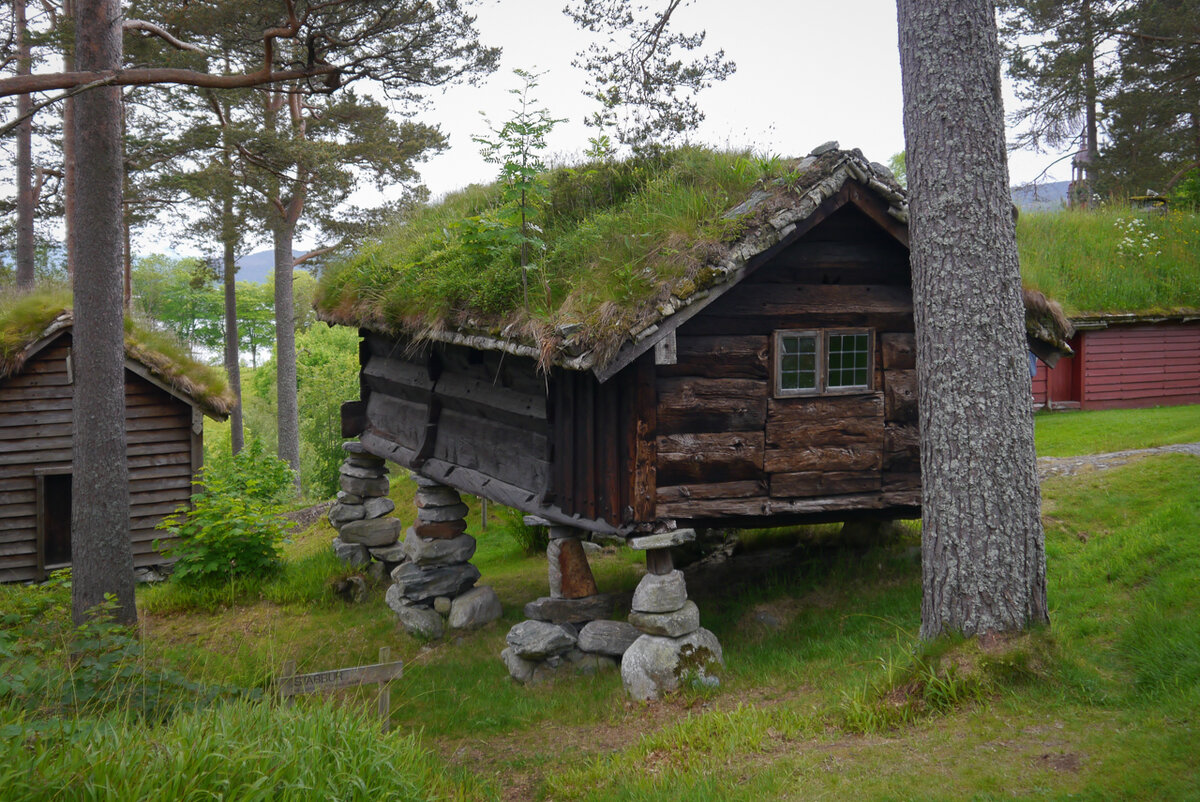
x=1068 y=466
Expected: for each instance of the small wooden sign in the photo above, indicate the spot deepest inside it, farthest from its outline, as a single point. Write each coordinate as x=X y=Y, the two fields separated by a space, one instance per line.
x=293 y=684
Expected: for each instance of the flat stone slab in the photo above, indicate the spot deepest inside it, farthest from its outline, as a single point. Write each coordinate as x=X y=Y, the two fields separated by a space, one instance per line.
x=362 y=473
x=663 y=593
x=608 y=637
x=683 y=621
x=352 y=554
x=438 y=551
x=535 y=520
x=452 y=512
x=420 y=621
x=440 y=496
x=425 y=481
x=537 y=640
x=425 y=583
x=378 y=507
x=373 y=533
x=354 y=447
x=394 y=553
x=560 y=532
x=348 y=498
x=571 y=611
x=342 y=513
x=663 y=540
x=366 y=461
x=364 y=487
x=476 y=608
x=442 y=529
x=653 y=665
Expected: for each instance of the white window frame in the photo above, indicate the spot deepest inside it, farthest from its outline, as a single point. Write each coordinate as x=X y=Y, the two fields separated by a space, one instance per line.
x=821 y=338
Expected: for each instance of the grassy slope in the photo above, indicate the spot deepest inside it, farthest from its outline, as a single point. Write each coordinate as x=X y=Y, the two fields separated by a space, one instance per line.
x=1111 y=713
x=1089 y=263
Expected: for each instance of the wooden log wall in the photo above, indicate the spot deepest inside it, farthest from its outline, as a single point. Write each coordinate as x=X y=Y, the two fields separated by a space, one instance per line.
x=35 y=436
x=728 y=449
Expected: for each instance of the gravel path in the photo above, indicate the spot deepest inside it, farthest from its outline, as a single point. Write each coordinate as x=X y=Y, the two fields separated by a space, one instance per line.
x=1068 y=466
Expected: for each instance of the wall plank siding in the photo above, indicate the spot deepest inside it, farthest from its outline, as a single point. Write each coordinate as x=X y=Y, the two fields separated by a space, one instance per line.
x=35 y=434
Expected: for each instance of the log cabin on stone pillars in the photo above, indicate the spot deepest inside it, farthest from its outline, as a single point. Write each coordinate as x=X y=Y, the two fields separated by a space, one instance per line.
x=709 y=341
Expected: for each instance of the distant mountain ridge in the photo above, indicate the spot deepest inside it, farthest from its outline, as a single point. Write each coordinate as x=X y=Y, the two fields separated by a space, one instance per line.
x=257 y=267
x=1046 y=197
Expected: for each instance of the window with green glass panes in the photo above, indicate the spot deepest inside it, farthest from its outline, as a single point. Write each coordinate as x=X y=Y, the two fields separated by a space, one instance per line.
x=848 y=359
x=797 y=354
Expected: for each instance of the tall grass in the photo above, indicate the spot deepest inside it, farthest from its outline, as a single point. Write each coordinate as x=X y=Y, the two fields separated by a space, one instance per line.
x=1101 y=260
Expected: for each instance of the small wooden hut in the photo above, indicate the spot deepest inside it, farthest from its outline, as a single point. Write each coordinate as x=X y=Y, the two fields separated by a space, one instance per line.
x=770 y=382
x=166 y=398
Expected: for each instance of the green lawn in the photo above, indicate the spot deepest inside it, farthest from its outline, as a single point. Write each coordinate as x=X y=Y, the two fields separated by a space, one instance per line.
x=1069 y=434
x=821 y=654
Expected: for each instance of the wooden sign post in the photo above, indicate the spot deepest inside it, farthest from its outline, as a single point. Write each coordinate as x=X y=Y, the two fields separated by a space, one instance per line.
x=293 y=684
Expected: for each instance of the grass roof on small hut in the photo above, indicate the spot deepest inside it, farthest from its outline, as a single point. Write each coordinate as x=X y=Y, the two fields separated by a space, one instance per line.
x=626 y=244
x=1113 y=260
x=25 y=319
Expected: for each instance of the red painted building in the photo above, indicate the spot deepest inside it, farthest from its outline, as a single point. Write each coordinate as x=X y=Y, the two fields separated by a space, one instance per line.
x=1125 y=361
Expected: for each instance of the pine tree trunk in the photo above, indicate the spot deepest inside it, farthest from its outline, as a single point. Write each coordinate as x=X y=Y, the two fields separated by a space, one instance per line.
x=983 y=554
x=101 y=553
x=285 y=349
x=1090 y=95
x=232 y=352
x=24 y=158
x=68 y=150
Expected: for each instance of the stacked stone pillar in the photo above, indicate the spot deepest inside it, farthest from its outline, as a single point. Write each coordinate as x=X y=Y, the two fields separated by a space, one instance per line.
x=435 y=580
x=673 y=647
x=367 y=534
x=566 y=628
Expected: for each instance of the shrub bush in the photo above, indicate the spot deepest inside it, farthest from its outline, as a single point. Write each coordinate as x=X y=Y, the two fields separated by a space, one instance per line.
x=233 y=529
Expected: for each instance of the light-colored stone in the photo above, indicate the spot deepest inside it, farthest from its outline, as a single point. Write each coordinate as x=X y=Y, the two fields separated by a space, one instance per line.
x=352 y=554
x=423 y=583
x=394 y=553
x=653 y=665
x=664 y=593
x=534 y=520
x=364 y=487
x=373 y=533
x=377 y=507
x=438 y=551
x=443 y=604
x=594 y=664
x=354 y=447
x=554 y=569
x=476 y=608
x=537 y=640
x=561 y=611
x=663 y=540
x=440 y=496
x=362 y=473
x=591 y=548
x=519 y=668
x=378 y=572
x=344 y=513
x=440 y=514
x=420 y=621
x=824 y=147
x=669 y=625
x=607 y=637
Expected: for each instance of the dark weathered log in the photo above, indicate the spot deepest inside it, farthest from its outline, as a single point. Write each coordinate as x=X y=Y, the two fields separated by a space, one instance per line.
x=354 y=418
x=900 y=394
x=759 y=507
x=398 y=378
x=771 y=300
x=894 y=482
x=823 y=483
x=850 y=457
x=803 y=411
x=711 y=405
x=735 y=325
x=743 y=489
x=489 y=400
x=711 y=457
x=404 y=421
x=510 y=454
x=645 y=474
x=899 y=351
x=831 y=432
x=902 y=447
x=745 y=357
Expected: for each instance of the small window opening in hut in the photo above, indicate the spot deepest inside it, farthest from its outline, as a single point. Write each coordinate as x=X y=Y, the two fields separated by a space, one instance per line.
x=817 y=362
x=56 y=519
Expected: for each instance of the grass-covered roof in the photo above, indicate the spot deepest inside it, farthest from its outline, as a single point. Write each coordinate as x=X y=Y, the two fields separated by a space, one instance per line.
x=1113 y=261
x=27 y=319
x=626 y=244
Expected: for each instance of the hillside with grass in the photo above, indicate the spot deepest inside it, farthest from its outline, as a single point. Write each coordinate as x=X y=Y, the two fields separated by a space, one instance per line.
x=1113 y=260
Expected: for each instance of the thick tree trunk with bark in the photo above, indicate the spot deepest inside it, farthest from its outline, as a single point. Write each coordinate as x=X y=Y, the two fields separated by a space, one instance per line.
x=983 y=553
x=68 y=151
x=101 y=553
x=285 y=349
x=233 y=365
x=25 y=199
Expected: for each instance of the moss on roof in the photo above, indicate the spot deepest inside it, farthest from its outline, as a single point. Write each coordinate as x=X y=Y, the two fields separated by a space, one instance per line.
x=25 y=319
x=627 y=244
x=1113 y=261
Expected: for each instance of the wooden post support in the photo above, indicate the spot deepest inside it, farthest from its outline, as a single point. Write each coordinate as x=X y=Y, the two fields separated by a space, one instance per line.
x=385 y=692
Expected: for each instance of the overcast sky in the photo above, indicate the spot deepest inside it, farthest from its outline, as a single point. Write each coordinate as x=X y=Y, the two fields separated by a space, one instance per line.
x=807 y=72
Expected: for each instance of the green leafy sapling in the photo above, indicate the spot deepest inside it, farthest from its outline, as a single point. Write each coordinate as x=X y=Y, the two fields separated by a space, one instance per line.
x=517 y=146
